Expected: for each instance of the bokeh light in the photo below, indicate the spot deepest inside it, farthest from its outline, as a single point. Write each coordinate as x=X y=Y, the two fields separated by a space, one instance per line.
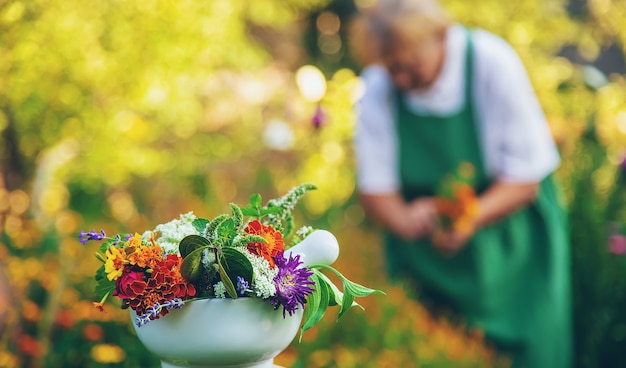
x=311 y=83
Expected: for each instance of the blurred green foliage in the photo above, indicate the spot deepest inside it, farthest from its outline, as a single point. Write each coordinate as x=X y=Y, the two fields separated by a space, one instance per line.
x=122 y=114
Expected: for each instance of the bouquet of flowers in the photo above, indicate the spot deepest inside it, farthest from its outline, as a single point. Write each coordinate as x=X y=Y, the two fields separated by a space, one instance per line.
x=456 y=202
x=234 y=255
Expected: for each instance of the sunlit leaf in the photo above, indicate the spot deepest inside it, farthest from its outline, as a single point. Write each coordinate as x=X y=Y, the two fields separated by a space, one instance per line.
x=356 y=289
x=346 y=302
x=336 y=296
x=254 y=207
x=350 y=289
x=200 y=224
x=317 y=303
x=256 y=201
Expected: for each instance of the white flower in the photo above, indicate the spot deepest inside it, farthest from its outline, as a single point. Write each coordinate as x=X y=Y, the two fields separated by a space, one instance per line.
x=304 y=231
x=220 y=290
x=263 y=282
x=173 y=232
x=208 y=259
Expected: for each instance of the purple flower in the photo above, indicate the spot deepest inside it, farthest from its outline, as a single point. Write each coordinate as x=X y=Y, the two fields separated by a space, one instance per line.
x=319 y=117
x=292 y=284
x=118 y=238
x=242 y=285
x=154 y=311
x=84 y=237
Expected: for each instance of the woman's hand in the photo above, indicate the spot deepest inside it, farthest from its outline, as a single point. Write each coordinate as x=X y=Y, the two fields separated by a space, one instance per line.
x=408 y=221
x=421 y=217
x=497 y=202
x=450 y=243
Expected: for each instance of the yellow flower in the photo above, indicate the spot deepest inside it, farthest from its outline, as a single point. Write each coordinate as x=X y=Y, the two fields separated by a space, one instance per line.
x=115 y=260
x=107 y=353
x=135 y=241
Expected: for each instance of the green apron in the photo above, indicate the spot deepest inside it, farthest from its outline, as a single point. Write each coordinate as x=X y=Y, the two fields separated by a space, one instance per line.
x=512 y=279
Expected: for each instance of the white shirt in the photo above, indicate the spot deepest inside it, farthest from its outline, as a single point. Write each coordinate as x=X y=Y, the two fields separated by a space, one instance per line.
x=516 y=140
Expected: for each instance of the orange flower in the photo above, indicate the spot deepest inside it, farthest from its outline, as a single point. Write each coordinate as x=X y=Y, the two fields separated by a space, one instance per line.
x=457 y=204
x=29 y=345
x=99 y=306
x=145 y=256
x=93 y=332
x=274 y=241
x=165 y=283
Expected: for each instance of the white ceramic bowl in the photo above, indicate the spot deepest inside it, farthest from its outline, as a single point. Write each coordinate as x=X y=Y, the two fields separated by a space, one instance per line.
x=232 y=333
x=243 y=332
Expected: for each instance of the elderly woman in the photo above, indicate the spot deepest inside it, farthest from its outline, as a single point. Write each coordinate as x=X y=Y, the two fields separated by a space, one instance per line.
x=438 y=95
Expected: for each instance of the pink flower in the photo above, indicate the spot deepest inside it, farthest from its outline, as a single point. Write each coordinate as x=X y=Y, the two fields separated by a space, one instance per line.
x=617 y=244
x=319 y=117
x=130 y=284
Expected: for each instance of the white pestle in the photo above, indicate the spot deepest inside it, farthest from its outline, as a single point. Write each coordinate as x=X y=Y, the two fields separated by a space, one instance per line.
x=320 y=247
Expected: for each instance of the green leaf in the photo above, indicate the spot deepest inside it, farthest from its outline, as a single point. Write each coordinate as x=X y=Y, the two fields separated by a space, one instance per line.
x=209 y=232
x=236 y=264
x=252 y=212
x=104 y=285
x=242 y=241
x=228 y=284
x=271 y=210
x=346 y=302
x=289 y=225
x=336 y=296
x=103 y=247
x=191 y=243
x=356 y=289
x=100 y=274
x=256 y=201
x=254 y=207
x=237 y=216
x=200 y=224
x=191 y=268
x=317 y=304
x=350 y=290
x=103 y=288
x=225 y=232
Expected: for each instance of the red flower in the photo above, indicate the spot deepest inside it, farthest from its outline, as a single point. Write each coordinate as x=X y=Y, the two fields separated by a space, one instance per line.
x=274 y=241
x=163 y=284
x=130 y=284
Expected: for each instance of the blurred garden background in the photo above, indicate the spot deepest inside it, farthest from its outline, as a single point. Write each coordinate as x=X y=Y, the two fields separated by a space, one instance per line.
x=121 y=114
